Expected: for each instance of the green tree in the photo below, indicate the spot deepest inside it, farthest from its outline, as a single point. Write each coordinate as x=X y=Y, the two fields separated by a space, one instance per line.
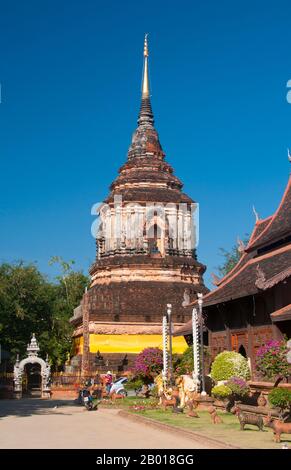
x=69 y=290
x=231 y=258
x=30 y=303
x=26 y=302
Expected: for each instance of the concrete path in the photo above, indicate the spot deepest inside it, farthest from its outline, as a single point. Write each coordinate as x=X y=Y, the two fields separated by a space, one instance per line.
x=51 y=424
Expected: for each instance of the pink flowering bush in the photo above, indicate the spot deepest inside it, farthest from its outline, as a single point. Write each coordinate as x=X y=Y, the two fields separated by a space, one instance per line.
x=238 y=386
x=271 y=359
x=148 y=363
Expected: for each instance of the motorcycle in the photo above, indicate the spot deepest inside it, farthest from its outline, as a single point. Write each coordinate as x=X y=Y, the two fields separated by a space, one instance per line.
x=85 y=398
x=90 y=403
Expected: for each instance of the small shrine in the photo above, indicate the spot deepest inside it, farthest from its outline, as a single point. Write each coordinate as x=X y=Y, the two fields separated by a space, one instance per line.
x=36 y=370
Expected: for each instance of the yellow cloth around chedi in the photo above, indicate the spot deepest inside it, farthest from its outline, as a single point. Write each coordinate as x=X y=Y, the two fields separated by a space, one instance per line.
x=127 y=343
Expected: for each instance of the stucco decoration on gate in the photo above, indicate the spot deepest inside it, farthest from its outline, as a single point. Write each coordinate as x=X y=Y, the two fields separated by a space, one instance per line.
x=32 y=358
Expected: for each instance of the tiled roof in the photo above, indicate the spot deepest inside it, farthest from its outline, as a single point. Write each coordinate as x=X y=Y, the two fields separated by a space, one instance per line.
x=282 y=314
x=243 y=282
x=274 y=266
x=278 y=226
x=253 y=271
x=184 y=330
x=258 y=228
x=267 y=284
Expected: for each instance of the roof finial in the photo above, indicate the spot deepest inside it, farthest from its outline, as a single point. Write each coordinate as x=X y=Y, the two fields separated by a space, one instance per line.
x=145 y=79
x=256 y=214
x=241 y=246
x=145 y=49
x=289 y=156
x=146 y=116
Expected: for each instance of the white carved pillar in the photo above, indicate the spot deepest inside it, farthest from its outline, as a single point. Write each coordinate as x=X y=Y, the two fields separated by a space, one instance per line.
x=107 y=230
x=112 y=229
x=127 y=227
x=180 y=230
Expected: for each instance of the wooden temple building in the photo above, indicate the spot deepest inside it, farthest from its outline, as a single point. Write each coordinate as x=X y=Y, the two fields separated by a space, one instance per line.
x=252 y=303
x=144 y=258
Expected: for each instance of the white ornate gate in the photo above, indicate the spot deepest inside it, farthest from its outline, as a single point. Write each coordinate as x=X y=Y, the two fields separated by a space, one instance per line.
x=32 y=358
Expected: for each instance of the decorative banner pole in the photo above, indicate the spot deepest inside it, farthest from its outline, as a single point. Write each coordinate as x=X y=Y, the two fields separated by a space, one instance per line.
x=165 y=350
x=85 y=367
x=200 y=303
x=169 y=314
x=195 y=334
x=289 y=351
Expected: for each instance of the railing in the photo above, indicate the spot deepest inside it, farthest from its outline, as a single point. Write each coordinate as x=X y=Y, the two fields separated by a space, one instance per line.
x=60 y=379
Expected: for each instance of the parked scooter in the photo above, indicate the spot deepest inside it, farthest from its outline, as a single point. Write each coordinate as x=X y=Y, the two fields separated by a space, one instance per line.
x=85 y=398
x=90 y=403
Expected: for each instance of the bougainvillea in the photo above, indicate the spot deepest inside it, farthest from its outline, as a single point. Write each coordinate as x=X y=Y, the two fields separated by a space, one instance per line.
x=149 y=362
x=229 y=364
x=271 y=359
x=238 y=386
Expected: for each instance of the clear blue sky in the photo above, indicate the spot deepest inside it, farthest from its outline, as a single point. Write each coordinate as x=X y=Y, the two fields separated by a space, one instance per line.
x=71 y=78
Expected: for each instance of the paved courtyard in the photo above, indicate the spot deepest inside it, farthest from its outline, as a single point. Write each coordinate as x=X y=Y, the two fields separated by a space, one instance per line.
x=51 y=424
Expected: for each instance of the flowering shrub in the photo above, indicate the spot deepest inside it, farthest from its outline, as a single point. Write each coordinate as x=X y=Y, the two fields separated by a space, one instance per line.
x=149 y=362
x=238 y=386
x=143 y=405
x=280 y=397
x=221 y=391
x=229 y=364
x=137 y=407
x=271 y=359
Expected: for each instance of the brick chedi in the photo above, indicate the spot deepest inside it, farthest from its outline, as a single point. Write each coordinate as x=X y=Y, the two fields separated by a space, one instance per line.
x=145 y=252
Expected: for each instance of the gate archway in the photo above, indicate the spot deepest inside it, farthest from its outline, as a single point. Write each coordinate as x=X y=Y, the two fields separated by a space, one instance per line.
x=32 y=384
x=32 y=361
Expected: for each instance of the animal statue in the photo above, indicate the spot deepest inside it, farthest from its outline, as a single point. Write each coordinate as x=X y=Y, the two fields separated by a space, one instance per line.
x=144 y=392
x=116 y=396
x=174 y=393
x=247 y=418
x=192 y=404
x=160 y=388
x=187 y=388
x=168 y=402
x=214 y=416
x=278 y=427
x=176 y=409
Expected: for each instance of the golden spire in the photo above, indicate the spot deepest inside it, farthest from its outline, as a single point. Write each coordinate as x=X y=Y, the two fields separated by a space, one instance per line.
x=145 y=79
x=145 y=116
